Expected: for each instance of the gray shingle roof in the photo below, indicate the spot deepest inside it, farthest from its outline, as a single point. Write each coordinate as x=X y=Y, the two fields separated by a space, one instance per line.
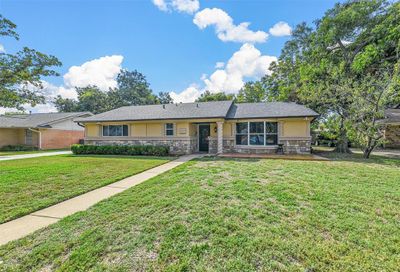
x=36 y=120
x=217 y=109
x=269 y=110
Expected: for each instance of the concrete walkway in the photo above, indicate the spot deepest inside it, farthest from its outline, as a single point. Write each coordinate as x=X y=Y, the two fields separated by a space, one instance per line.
x=25 y=225
x=34 y=155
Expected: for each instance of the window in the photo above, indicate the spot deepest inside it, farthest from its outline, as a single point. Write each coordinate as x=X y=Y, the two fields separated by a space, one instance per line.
x=115 y=130
x=257 y=133
x=271 y=133
x=242 y=137
x=169 y=129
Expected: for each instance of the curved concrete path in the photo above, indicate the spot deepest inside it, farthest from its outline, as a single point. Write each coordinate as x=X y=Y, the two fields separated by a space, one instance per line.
x=34 y=155
x=27 y=224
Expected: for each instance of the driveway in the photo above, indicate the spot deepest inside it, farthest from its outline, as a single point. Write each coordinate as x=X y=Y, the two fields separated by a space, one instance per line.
x=27 y=156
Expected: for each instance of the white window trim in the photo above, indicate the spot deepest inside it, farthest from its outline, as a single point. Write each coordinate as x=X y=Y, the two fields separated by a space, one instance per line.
x=173 y=130
x=102 y=131
x=265 y=134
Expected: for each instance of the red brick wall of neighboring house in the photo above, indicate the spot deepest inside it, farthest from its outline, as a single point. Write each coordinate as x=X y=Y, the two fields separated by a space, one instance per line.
x=56 y=138
x=392 y=136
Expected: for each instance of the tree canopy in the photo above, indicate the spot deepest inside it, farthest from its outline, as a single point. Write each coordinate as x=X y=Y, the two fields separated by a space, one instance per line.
x=21 y=73
x=209 y=96
x=343 y=65
x=132 y=89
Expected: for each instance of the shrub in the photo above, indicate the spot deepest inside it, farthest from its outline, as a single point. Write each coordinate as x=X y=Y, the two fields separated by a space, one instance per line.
x=18 y=148
x=147 y=150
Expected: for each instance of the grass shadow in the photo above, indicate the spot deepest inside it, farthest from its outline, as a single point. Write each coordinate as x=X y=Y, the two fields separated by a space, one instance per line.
x=357 y=158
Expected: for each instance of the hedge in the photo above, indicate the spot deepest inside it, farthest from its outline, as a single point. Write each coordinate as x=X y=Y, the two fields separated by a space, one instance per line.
x=147 y=150
x=18 y=148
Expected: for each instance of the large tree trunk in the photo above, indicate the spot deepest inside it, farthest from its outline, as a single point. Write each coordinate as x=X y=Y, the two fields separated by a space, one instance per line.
x=367 y=152
x=343 y=142
x=372 y=143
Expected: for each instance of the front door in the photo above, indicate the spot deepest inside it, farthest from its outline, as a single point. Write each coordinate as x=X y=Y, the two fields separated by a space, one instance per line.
x=204 y=133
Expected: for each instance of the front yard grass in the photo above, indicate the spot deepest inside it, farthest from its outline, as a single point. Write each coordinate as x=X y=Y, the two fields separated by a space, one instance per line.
x=28 y=185
x=232 y=215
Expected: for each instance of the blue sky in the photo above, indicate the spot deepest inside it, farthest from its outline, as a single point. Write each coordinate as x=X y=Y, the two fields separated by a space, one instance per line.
x=162 y=42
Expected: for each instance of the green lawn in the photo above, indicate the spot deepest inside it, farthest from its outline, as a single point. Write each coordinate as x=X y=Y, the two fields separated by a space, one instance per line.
x=232 y=215
x=31 y=184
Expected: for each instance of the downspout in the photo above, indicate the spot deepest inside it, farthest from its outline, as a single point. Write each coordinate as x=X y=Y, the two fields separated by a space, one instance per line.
x=40 y=136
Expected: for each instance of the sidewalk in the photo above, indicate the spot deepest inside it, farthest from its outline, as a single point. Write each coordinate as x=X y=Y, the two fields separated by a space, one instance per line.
x=27 y=156
x=27 y=224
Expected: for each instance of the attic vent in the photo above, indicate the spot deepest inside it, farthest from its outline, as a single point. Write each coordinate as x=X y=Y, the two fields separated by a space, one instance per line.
x=163 y=106
x=197 y=105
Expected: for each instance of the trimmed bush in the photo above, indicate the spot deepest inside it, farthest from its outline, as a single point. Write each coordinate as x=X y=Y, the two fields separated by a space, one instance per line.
x=18 y=148
x=132 y=150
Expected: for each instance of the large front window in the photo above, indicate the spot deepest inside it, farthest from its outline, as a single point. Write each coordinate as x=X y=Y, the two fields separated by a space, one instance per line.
x=115 y=130
x=257 y=133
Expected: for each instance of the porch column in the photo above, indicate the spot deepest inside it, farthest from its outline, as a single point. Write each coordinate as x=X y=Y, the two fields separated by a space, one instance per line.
x=220 y=132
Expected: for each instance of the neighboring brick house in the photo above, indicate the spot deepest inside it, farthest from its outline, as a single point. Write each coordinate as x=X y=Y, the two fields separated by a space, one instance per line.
x=392 y=128
x=42 y=130
x=214 y=127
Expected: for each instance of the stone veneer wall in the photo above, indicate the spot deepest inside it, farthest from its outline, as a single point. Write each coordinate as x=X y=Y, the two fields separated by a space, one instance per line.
x=189 y=145
x=296 y=146
x=176 y=146
x=392 y=136
x=290 y=146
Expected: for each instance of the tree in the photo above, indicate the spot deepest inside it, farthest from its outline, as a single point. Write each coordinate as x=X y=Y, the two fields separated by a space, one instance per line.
x=21 y=73
x=322 y=67
x=372 y=96
x=133 y=89
x=164 y=98
x=252 y=92
x=90 y=98
x=66 y=104
x=208 y=96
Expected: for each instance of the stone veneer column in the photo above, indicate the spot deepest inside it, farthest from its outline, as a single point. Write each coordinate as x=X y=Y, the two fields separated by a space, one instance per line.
x=220 y=132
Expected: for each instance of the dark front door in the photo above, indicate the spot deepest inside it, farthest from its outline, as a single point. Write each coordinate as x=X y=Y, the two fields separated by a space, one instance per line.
x=204 y=133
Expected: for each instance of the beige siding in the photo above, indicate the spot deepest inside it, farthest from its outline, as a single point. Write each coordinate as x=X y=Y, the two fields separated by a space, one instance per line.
x=138 y=130
x=287 y=128
x=154 y=130
x=10 y=137
x=228 y=130
x=192 y=130
x=182 y=129
x=92 y=130
x=296 y=128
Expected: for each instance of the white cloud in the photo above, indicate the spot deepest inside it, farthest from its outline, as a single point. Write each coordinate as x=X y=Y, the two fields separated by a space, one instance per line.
x=100 y=72
x=280 y=29
x=161 y=4
x=2 y=49
x=185 y=6
x=219 y=65
x=190 y=94
x=225 y=29
x=41 y=108
x=248 y=62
